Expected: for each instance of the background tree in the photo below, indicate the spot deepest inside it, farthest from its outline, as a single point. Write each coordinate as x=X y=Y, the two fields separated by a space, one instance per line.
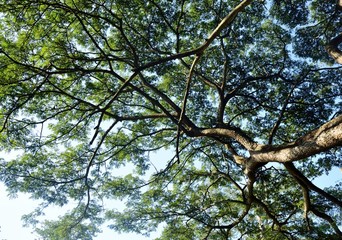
x=244 y=93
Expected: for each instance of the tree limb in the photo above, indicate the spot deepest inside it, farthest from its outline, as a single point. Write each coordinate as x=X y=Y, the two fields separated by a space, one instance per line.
x=303 y=180
x=198 y=51
x=328 y=136
x=333 y=50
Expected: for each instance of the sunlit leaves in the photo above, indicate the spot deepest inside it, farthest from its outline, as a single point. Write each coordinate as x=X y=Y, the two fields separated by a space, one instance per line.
x=91 y=90
x=66 y=228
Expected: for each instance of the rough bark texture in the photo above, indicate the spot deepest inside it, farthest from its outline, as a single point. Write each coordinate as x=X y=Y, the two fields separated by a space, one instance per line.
x=333 y=50
x=332 y=46
x=329 y=135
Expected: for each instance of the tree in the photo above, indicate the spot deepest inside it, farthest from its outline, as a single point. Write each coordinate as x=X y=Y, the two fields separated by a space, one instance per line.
x=246 y=94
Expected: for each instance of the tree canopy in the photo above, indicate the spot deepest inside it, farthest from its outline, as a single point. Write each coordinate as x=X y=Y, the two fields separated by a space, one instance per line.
x=246 y=95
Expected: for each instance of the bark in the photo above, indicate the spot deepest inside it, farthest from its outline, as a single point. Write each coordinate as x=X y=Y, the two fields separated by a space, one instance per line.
x=328 y=136
x=332 y=46
x=339 y=5
x=234 y=133
x=333 y=50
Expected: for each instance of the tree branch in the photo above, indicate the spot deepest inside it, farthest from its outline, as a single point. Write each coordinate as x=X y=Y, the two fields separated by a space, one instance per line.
x=328 y=136
x=198 y=51
x=229 y=132
x=327 y=218
x=300 y=177
x=333 y=50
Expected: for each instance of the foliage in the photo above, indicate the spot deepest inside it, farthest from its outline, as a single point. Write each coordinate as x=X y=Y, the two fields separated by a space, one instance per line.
x=89 y=87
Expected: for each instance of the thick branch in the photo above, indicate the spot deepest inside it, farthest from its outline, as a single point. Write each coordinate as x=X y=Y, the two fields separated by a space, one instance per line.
x=333 y=50
x=328 y=136
x=229 y=132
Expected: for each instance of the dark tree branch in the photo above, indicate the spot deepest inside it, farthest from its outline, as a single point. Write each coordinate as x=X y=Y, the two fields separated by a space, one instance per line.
x=308 y=207
x=298 y=175
x=281 y=116
x=327 y=218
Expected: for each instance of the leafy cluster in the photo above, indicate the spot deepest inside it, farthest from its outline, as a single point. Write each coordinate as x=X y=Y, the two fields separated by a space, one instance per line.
x=89 y=87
